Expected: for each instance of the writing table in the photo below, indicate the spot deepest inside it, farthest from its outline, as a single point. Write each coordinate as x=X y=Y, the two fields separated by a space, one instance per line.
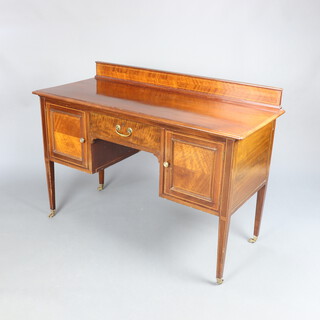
x=213 y=138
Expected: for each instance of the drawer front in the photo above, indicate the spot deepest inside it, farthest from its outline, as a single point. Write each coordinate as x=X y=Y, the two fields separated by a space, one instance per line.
x=192 y=170
x=67 y=134
x=126 y=132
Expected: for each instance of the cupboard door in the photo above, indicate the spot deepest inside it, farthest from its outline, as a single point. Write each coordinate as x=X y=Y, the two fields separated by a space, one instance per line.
x=192 y=169
x=67 y=134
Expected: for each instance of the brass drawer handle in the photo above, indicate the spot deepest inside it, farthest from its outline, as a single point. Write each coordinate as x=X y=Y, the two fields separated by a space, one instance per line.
x=129 y=130
x=166 y=164
x=82 y=140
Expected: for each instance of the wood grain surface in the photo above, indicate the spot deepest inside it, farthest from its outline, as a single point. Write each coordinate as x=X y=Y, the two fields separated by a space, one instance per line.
x=195 y=169
x=203 y=114
x=65 y=128
x=251 y=164
x=143 y=137
x=231 y=89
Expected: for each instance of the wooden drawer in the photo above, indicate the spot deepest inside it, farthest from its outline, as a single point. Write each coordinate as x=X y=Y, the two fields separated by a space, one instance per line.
x=126 y=132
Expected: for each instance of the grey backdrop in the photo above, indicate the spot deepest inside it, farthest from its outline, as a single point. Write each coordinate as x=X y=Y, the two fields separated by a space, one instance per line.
x=124 y=253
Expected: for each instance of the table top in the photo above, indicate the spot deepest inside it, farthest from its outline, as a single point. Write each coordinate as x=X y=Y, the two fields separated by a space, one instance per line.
x=204 y=112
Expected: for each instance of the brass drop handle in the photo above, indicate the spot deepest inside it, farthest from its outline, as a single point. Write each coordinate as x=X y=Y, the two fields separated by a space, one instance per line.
x=166 y=164
x=129 y=130
x=82 y=140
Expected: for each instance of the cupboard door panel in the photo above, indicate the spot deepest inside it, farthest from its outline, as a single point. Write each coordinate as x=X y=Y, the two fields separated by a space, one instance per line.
x=67 y=134
x=194 y=169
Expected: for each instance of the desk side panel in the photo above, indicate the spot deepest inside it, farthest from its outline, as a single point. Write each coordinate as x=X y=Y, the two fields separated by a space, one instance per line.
x=251 y=165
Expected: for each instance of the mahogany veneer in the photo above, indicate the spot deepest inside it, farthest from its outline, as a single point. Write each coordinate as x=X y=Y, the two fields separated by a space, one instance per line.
x=213 y=138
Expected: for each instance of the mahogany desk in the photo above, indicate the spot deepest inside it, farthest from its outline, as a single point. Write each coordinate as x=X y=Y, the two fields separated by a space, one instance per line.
x=213 y=138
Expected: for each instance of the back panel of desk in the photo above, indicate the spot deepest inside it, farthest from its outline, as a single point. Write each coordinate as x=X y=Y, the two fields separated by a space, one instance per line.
x=223 y=88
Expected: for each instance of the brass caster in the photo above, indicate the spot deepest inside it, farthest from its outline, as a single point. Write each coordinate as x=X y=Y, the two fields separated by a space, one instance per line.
x=253 y=239
x=219 y=281
x=100 y=188
x=52 y=213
